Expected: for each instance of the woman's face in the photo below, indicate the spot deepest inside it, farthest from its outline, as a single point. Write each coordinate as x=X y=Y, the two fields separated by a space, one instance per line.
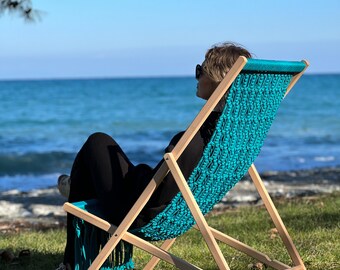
x=205 y=86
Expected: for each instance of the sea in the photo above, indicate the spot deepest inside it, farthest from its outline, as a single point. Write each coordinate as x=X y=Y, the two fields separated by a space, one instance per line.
x=43 y=123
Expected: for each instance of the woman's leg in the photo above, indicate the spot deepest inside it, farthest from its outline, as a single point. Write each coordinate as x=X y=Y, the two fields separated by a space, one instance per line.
x=98 y=171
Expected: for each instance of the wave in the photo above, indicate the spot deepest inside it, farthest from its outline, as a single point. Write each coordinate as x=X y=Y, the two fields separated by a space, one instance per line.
x=324 y=158
x=27 y=182
x=35 y=163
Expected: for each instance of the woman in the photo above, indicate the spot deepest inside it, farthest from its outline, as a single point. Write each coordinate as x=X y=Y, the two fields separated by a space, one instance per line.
x=102 y=170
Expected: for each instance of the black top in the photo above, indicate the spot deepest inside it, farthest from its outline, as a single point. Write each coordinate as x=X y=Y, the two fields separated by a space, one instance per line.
x=189 y=159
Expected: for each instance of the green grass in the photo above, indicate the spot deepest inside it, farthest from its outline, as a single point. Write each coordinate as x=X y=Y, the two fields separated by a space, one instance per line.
x=314 y=225
x=46 y=248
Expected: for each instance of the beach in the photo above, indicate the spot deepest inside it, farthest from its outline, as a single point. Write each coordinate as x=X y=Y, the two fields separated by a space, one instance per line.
x=42 y=208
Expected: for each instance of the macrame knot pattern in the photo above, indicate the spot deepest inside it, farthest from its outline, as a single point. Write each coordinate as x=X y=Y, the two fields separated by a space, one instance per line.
x=250 y=107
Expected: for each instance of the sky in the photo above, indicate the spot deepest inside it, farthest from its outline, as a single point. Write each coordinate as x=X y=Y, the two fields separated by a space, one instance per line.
x=145 y=38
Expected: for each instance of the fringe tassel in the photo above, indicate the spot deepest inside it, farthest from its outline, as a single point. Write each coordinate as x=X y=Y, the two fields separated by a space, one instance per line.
x=89 y=241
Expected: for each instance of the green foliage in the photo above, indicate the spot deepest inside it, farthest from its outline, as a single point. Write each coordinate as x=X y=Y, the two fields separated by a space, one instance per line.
x=313 y=223
x=23 y=8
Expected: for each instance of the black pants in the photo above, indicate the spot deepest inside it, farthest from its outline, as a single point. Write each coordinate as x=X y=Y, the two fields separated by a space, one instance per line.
x=100 y=170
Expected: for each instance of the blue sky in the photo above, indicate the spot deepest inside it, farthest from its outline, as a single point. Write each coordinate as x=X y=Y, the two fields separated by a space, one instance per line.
x=111 y=38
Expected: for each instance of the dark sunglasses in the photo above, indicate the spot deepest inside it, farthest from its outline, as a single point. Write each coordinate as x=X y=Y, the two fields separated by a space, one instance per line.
x=199 y=71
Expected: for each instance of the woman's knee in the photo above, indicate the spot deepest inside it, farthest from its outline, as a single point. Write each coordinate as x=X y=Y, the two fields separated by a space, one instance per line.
x=99 y=138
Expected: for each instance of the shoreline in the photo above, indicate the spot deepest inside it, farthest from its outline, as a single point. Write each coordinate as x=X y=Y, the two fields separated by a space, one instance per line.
x=42 y=208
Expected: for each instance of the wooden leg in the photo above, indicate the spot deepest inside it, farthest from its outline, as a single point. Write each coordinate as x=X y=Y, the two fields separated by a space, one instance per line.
x=292 y=251
x=196 y=212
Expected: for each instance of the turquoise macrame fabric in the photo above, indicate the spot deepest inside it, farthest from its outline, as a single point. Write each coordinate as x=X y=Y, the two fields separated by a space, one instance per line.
x=274 y=66
x=90 y=239
x=251 y=106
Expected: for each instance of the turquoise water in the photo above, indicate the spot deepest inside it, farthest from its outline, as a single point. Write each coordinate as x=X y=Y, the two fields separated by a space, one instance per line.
x=44 y=123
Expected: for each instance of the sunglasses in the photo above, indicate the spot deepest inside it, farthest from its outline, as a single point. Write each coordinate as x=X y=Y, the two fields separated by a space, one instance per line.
x=198 y=72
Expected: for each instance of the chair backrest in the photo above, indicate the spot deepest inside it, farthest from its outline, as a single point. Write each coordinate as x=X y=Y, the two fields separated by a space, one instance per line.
x=250 y=107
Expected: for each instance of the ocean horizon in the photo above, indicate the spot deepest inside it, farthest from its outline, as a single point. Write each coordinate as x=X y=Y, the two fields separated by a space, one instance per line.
x=44 y=122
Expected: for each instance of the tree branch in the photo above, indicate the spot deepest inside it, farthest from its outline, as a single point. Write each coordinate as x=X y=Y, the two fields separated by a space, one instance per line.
x=23 y=8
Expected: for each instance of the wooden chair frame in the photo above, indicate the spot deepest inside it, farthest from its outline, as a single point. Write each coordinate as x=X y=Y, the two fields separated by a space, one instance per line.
x=209 y=234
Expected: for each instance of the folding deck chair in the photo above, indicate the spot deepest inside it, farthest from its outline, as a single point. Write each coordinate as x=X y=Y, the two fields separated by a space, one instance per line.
x=252 y=91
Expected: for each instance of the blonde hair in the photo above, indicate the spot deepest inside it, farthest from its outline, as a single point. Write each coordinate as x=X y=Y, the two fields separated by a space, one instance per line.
x=220 y=58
